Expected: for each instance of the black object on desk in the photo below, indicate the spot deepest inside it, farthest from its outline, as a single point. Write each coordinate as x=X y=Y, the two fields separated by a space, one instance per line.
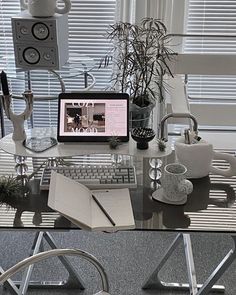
x=103 y=210
x=142 y=136
x=5 y=89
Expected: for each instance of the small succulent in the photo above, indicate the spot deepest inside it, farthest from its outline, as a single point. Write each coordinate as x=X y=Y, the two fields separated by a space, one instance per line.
x=10 y=187
x=114 y=141
x=161 y=145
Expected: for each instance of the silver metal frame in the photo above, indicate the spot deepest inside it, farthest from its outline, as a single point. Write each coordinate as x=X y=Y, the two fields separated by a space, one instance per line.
x=175 y=115
x=30 y=261
x=154 y=282
x=20 y=288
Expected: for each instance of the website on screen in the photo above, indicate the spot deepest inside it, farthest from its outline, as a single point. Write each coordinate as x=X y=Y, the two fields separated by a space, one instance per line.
x=93 y=117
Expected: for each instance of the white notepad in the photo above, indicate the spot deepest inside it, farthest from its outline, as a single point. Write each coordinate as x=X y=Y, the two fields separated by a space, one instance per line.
x=75 y=202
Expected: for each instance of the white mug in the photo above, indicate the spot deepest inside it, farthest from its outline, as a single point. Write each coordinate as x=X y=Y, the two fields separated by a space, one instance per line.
x=198 y=159
x=45 y=8
x=174 y=183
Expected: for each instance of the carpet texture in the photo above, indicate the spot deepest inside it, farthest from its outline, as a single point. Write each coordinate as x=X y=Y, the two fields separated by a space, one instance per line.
x=128 y=258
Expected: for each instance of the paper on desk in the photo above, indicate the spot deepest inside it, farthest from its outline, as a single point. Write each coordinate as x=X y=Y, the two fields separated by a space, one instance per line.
x=74 y=201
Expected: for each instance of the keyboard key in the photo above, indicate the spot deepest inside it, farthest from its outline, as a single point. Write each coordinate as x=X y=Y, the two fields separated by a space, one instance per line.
x=89 y=181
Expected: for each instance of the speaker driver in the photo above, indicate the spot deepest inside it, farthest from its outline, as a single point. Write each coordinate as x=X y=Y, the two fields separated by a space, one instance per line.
x=31 y=55
x=40 y=31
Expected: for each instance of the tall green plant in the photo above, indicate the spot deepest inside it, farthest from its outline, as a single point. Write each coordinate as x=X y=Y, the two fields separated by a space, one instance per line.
x=140 y=59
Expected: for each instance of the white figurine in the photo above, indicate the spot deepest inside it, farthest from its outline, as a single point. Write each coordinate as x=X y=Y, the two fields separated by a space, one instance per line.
x=18 y=119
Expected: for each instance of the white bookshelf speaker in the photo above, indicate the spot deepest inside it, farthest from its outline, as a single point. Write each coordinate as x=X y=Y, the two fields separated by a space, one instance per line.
x=40 y=43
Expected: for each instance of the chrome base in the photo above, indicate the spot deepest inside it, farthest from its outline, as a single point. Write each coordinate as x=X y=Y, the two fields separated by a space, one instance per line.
x=31 y=260
x=153 y=281
x=65 y=284
x=20 y=288
x=181 y=287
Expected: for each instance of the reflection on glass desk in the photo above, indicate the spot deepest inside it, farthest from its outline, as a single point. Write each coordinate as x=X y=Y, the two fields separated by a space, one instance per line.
x=76 y=65
x=210 y=207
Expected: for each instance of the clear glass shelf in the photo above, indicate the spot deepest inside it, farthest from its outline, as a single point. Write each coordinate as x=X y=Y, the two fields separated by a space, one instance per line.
x=77 y=65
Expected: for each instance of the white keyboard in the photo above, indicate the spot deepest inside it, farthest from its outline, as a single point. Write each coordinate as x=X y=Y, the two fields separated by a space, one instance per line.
x=94 y=177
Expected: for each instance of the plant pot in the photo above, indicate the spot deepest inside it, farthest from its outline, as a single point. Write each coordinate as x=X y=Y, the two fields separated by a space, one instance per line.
x=140 y=116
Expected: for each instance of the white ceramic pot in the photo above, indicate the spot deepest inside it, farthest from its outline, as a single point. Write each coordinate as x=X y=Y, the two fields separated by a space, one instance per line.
x=45 y=8
x=198 y=159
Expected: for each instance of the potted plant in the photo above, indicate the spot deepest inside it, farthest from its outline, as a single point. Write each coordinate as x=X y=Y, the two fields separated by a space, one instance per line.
x=140 y=56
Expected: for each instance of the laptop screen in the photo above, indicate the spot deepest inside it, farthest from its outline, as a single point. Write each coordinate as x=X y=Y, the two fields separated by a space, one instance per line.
x=93 y=116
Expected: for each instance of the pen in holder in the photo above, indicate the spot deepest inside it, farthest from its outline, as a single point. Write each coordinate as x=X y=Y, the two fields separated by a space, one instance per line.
x=18 y=119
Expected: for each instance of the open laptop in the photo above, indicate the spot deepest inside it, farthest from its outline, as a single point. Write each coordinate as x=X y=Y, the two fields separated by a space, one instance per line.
x=93 y=116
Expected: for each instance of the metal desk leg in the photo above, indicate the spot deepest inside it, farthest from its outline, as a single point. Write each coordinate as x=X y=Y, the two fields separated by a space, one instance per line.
x=219 y=270
x=74 y=280
x=27 y=274
x=190 y=264
x=154 y=282
x=20 y=288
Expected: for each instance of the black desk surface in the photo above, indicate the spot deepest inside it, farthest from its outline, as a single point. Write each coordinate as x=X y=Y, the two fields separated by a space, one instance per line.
x=210 y=207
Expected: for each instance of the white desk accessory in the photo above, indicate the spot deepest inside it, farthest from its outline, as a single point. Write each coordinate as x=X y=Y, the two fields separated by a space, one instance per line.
x=18 y=120
x=198 y=158
x=45 y=8
x=74 y=149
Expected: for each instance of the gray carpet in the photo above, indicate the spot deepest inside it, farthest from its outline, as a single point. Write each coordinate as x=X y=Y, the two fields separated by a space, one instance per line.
x=128 y=258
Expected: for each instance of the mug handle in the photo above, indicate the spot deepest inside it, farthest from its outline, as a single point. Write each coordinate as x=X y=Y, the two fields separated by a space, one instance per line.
x=65 y=9
x=23 y=4
x=185 y=187
x=231 y=171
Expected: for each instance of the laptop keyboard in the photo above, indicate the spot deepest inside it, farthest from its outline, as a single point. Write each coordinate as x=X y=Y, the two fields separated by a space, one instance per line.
x=94 y=177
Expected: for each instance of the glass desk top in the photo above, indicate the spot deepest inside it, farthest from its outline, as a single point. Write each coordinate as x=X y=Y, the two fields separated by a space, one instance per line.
x=210 y=207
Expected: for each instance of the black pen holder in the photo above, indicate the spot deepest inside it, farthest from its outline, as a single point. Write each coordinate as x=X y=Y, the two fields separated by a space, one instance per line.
x=142 y=136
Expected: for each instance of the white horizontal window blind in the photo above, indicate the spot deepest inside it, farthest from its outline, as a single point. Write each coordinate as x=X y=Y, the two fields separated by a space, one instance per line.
x=88 y=23
x=211 y=17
